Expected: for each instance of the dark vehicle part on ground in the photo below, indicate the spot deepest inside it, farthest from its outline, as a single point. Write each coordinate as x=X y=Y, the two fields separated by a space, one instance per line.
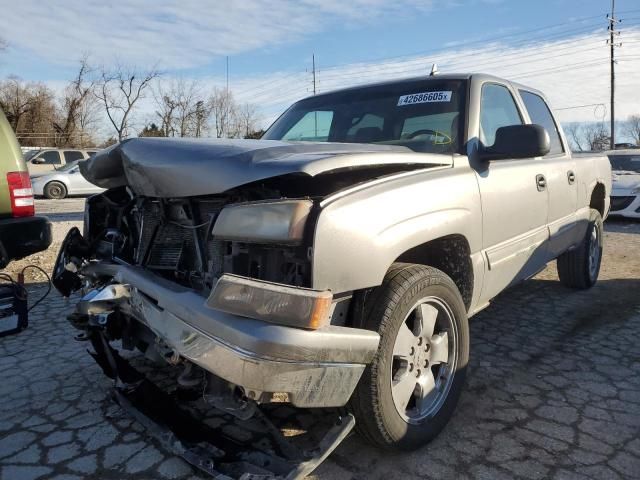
x=14 y=306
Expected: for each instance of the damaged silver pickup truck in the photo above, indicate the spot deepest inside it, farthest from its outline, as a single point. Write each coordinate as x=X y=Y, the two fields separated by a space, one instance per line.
x=335 y=262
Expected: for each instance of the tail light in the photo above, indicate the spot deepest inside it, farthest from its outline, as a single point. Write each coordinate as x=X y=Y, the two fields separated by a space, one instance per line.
x=21 y=194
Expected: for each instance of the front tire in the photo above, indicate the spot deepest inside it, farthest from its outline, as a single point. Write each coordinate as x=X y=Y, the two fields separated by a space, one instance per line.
x=579 y=268
x=55 y=190
x=409 y=392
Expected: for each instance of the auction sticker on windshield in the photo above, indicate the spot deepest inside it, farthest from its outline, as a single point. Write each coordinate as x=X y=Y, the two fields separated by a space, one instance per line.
x=424 y=97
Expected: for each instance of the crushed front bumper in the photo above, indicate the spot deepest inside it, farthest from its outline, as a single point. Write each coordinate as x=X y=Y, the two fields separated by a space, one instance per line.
x=308 y=368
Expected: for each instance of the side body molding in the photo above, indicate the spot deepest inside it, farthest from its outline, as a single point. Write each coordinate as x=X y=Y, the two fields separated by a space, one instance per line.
x=362 y=231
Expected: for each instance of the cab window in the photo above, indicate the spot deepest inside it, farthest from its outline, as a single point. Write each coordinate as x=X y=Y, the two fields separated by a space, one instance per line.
x=497 y=109
x=72 y=155
x=541 y=115
x=50 y=158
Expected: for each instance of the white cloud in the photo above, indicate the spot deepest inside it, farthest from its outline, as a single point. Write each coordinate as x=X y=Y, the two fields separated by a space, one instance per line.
x=571 y=72
x=180 y=34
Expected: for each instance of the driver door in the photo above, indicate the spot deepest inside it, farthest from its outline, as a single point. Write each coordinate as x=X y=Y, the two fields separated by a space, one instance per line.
x=45 y=161
x=514 y=201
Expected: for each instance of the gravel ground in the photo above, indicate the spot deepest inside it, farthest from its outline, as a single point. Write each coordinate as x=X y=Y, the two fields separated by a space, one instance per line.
x=553 y=391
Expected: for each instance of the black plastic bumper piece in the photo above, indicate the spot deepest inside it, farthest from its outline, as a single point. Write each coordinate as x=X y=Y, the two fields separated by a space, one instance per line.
x=210 y=450
x=20 y=237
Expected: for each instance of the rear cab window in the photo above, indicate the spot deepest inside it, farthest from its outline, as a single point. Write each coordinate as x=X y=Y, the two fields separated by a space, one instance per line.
x=72 y=155
x=540 y=114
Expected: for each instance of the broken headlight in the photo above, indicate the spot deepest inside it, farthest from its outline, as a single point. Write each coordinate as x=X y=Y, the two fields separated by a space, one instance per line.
x=280 y=221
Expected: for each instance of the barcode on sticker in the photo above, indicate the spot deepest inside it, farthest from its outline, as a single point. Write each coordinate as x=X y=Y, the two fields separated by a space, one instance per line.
x=424 y=97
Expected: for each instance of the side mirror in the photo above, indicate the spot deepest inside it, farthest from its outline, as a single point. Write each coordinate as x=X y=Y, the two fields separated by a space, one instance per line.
x=517 y=141
x=37 y=161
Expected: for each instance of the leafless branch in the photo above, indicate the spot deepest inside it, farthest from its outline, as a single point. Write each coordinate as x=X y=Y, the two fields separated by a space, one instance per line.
x=119 y=90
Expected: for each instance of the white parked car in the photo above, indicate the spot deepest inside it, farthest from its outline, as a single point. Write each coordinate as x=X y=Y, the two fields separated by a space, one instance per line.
x=64 y=182
x=625 y=195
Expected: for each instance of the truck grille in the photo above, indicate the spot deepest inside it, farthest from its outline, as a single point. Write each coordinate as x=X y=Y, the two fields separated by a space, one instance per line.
x=620 y=203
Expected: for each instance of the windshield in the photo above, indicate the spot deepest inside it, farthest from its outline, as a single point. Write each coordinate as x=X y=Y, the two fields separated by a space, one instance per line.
x=424 y=115
x=630 y=163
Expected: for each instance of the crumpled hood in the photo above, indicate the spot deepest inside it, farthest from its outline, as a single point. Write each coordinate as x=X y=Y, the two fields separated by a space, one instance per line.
x=625 y=180
x=162 y=167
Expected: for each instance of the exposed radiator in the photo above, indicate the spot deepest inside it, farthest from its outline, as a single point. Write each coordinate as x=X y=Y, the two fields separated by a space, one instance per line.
x=169 y=246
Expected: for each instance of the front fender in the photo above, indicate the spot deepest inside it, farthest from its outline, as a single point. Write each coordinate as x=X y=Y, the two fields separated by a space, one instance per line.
x=359 y=235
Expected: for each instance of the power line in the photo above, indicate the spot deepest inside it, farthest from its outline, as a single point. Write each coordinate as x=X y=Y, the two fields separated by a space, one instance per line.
x=500 y=62
x=529 y=40
x=483 y=40
x=260 y=92
x=420 y=62
x=566 y=45
x=580 y=106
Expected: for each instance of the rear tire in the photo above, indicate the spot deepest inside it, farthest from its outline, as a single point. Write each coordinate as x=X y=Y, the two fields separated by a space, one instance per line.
x=55 y=190
x=408 y=393
x=579 y=268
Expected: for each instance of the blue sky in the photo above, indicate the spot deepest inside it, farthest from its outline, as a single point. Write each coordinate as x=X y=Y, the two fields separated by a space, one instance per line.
x=270 y=43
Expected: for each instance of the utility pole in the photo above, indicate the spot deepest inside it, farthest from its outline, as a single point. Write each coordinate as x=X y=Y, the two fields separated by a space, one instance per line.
x=313 y=61
x=227 y=102
x=612 y=46
x=315 y=114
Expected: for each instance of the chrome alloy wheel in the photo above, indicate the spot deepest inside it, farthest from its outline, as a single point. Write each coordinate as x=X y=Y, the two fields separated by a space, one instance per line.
x=424 y=360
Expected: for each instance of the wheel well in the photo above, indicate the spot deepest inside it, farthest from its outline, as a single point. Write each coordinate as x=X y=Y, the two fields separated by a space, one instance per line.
x=452 y=255
x=597 y=198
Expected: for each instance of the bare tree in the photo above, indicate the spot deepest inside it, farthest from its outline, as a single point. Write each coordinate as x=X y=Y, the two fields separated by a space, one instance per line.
x=15 y=100
x=201 y=118
x=70 y=117
x=222 y=109
x=36 y=127
x=119 y=91
x=166 y=108
x=575 y=134
x=89 y=116
x=182 y=108
x=597 y=136
x=632 y=128
x=188 y=96
x=166 y=104
x=246 y=119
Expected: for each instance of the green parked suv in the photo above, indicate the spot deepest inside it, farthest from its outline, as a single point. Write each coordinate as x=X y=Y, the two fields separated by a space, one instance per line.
x=21 y=232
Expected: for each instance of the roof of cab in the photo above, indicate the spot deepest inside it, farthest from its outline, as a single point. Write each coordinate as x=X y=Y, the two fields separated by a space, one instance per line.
x=483 y=77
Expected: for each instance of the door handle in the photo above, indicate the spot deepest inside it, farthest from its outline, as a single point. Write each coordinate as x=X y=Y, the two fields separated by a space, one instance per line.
x=541 y=182
x=571 y=177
